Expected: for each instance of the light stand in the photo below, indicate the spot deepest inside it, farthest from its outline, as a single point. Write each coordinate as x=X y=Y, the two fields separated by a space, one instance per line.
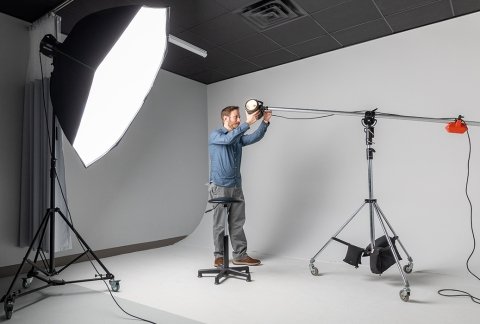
x=454 y=125
x=48 y=271
x=369 y=123
x=101 y=44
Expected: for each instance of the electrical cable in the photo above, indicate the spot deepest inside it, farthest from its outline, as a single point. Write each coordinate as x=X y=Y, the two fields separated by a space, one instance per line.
x=380 y=114
x=303 y=117
x=207 y=211
x=66 y=204
x=448 y=292
x=307 y=118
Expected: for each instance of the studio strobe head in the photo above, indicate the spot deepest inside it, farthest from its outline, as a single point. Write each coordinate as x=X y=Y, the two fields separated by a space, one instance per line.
x=254 y=105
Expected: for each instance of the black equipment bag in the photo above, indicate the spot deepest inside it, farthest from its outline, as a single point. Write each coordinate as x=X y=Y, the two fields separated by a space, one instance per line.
x=354 y=253
x=382 y=258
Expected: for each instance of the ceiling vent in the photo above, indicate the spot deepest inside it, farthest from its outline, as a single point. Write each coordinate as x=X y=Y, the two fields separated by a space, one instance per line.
x=266 y=14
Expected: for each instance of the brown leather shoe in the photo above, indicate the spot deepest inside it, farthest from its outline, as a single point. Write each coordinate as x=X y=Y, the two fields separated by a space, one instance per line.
x=218 y=262
x=246 y=260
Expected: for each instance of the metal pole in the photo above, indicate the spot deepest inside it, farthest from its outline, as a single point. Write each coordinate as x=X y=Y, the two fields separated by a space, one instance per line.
x=53 y=163
x=378 y=115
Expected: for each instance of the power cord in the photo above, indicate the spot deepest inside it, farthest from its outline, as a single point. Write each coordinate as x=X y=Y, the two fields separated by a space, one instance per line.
x=66 y=204
x=307 y=118
x=207 y=211
x=455 y=292
x=318 y=117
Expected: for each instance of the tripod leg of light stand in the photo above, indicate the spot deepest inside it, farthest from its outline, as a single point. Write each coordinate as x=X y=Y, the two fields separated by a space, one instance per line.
x=41 y=229
x=405 y=292
x=409 y=267
x=313 y=269
x=9 y=298
x=108 y=274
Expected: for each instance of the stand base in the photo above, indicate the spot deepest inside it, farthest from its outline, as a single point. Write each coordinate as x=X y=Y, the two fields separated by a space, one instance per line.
x=47 y=273
x=226 y=272
x=383 y=221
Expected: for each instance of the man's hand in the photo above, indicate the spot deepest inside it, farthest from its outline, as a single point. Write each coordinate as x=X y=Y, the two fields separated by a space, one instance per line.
x=267 y=114
x=252 y=118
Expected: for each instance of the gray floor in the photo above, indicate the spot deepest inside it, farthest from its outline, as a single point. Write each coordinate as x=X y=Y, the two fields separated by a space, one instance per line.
x=162 y=285
x=76 y=304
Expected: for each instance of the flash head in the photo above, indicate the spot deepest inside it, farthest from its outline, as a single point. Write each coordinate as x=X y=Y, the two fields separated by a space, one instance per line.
x=254 y=105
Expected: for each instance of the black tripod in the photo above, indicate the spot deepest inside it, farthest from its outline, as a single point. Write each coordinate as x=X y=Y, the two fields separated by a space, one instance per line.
x=45 y=270
x=369 y=122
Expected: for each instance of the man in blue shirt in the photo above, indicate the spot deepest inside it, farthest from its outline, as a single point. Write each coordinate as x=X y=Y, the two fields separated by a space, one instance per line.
x=225 y=150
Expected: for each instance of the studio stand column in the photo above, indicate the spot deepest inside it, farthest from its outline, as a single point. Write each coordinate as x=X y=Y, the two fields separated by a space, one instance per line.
x=369 y=123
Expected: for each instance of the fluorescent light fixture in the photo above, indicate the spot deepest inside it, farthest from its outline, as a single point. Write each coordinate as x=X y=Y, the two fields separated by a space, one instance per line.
x=186 y=45
x=121 y=83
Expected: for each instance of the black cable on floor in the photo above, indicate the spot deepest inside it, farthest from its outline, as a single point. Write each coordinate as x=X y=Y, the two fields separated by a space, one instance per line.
x=448 y=292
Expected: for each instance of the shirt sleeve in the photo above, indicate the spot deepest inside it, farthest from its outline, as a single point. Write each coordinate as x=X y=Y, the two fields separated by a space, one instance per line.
x=222 y=138
x=256 y=135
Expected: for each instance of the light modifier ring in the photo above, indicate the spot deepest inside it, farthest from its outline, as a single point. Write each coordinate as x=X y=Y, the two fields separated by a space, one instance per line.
x=254 y=105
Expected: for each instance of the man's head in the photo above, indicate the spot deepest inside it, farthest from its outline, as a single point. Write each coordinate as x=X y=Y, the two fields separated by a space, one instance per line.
x=230 y=117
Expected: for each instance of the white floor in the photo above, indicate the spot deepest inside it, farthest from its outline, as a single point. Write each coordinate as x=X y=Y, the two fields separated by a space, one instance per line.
x=284 y=291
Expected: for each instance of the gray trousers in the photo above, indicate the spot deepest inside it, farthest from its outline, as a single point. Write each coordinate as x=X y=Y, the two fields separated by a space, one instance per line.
x=236 y=220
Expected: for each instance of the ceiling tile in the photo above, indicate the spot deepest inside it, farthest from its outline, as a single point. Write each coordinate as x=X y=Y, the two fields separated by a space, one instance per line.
x=179 y=53
x=253 y=45
x=189 y=13
x=273 y=58
x=312 y=6
x=219 y=57
x=420 y=16
x=239 y=69
x=347 y=14
x=195 y=39
x=295 y=31
x=364 y=32
x=223 y=29
x=235 y=47
x=183 y=62
x=315 y=46
x=388 y=7
x=234 y=5
x=465 y=6
x=208 y=77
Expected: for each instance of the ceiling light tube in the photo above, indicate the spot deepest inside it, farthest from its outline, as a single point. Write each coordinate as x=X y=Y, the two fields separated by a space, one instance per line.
x=189 y=47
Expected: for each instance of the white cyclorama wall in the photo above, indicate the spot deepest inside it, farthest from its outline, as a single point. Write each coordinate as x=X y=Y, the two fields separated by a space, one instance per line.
x=151 y=186
x=306 y=177
x=13 y=67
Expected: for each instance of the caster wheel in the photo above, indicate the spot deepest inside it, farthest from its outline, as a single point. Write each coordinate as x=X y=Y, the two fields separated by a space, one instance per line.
x=405 y=294
x=8 y=307
x=199 y=275
x=408 y=268
x=115 y=284
x=26 y=282
x=313 y=270
x=249 y=280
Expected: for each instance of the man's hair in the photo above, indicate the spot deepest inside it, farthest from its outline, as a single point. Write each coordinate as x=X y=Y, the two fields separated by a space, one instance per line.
x=227 y=110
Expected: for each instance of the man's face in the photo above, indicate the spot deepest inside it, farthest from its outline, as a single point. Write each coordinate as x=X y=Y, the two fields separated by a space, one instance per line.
x=233 y=121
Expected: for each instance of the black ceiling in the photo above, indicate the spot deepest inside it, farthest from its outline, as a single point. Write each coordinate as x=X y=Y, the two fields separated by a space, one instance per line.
x=236 y=46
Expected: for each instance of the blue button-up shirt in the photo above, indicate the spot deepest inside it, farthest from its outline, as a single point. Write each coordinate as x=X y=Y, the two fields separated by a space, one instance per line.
x=225 y=150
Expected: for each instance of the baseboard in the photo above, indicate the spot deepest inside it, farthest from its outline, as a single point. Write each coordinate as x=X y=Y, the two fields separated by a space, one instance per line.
x=61 y=261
